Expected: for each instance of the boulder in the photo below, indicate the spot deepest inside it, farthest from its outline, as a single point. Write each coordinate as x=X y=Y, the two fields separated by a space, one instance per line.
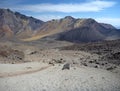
x=66 y=66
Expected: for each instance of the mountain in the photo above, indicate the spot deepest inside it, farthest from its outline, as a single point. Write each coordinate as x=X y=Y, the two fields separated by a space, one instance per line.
x=108 y=26
x=89 y=30
x=16 y=24
x=79 y=30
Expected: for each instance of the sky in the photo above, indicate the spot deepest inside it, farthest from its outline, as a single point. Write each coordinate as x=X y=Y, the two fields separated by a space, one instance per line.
x=106 y=11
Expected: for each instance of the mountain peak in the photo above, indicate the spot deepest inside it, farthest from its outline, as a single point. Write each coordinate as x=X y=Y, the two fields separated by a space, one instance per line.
x=69 y=17
x=17 y=23
x=25 y=27
x=90 y=20
x=5 y=11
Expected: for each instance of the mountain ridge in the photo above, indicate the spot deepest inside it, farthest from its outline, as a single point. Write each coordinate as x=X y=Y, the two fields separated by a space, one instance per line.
x=22 y=27
x=17 y=22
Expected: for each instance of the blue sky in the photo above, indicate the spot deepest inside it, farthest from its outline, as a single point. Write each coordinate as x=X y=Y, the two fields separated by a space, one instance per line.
x=107 y=11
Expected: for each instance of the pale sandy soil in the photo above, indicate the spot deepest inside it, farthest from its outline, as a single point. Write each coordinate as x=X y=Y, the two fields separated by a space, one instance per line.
x=54 y=79
x=9 y=70
x=35 y=73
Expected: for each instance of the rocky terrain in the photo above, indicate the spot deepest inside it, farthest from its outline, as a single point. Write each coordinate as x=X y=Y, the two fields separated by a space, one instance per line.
x=103 y=55
x=59 y=55
x=54 y=78
x=50 y=65
x=108 y=53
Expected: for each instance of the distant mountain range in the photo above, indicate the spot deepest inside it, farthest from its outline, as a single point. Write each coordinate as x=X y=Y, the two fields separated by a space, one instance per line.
x=19 y=26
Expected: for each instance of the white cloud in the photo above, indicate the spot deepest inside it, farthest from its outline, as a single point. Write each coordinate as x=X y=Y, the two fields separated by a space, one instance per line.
x=114 y=21
x=91 y=6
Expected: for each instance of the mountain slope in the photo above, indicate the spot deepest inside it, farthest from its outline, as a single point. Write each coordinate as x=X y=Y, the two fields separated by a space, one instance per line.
x=108 y=26
x=14 y=23
x=82 y=34
x=80 y=30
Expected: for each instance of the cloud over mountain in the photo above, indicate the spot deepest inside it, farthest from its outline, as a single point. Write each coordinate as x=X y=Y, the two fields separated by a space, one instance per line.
x=92 y=6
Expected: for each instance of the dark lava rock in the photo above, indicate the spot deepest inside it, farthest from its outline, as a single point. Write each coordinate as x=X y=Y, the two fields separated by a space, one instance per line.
x=116 y=55
x=66 y=66
x=110 y=68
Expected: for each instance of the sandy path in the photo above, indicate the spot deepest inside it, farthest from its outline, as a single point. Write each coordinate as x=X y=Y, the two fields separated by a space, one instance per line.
x=55 y=79
x=9 y=70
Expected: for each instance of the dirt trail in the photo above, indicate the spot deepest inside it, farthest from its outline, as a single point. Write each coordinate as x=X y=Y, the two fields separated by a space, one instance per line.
x=29 y=70
x=22 y=73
